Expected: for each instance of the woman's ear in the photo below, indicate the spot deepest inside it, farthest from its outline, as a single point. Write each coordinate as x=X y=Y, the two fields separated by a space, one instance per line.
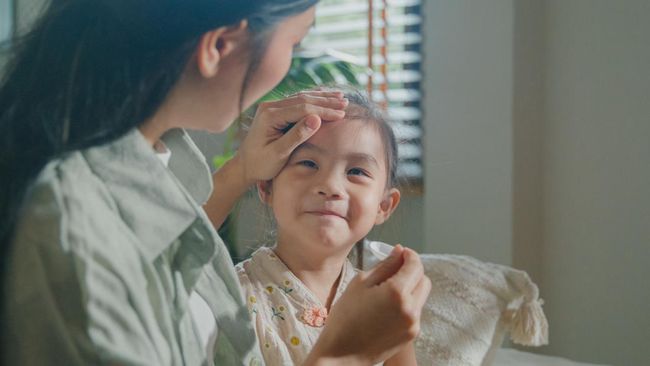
x=217 y=44
x=387 y=205
x=264 y=191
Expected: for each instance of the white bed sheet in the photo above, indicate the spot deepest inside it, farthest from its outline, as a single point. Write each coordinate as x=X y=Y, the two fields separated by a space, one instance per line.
x=513 y=357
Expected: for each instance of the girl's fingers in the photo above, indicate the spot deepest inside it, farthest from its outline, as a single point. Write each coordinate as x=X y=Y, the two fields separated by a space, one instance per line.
x=386 y=268
x=279 y=118
x=410 y=273
x=421 y=292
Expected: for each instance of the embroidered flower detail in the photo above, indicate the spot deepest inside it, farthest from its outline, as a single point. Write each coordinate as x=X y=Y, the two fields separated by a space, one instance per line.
x=269 y=289
x=252 y=301
x=277 y=312
x=273 y=256
x=287 y=287
x=314 y=316
x=295 y=341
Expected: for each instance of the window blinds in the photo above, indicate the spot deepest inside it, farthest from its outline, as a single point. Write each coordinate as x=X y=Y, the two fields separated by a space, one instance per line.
x=343 y=25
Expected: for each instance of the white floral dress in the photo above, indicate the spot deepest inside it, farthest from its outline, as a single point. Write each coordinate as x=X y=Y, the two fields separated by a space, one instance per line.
x=288 y=317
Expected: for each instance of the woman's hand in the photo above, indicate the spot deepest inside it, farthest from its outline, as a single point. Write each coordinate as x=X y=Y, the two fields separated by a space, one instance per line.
x=378 y=313
x=269 y=144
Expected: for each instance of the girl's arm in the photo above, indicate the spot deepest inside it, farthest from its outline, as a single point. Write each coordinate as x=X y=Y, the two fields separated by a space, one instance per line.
x=268 y=145
x=405 y=357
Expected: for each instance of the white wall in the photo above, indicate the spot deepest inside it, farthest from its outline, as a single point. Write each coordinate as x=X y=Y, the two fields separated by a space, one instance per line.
x=468 y=128
x=574 y=76
x=596 y=253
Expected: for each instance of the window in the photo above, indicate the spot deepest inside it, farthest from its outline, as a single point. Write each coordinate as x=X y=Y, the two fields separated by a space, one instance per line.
x=394 y=28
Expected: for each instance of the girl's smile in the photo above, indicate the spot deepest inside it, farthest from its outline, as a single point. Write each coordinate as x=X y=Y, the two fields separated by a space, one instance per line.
x=327 y=214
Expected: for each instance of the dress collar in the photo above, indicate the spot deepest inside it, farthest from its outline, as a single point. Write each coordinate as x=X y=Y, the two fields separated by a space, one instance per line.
x=281 y=276
x=157 y=203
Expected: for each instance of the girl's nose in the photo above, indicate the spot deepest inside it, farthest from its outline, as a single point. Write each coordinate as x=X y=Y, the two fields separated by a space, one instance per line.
x=330 y=187
x=330 y=194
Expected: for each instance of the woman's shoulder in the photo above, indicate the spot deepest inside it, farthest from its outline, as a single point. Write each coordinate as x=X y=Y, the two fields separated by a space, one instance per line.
x=64 y=187
x=68 y=206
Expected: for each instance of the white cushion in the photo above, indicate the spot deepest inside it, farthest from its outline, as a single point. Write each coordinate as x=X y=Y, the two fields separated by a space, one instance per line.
x=472 y=305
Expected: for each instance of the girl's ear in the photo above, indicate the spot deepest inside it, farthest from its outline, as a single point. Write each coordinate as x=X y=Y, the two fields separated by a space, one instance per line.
x=387 y=205
x=217 y=44
x=264 y=191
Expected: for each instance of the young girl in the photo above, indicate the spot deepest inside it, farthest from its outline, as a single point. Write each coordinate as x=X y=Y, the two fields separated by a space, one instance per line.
x=335 y=187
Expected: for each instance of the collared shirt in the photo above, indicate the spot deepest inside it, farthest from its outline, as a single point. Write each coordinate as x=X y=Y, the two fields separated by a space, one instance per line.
x=288 y=317
x=109 y=246
x=199 y=308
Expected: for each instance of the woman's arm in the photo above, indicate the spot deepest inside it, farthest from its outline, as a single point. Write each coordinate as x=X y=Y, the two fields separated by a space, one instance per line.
x=230 y=184
x=378 y=314
x=268 y=145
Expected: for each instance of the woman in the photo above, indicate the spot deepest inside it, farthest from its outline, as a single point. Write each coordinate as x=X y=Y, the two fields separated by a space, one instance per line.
x=107 y=252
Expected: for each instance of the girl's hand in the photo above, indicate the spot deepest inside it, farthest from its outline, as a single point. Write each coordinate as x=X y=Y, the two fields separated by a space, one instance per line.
x=377 y=315
x=269 y=144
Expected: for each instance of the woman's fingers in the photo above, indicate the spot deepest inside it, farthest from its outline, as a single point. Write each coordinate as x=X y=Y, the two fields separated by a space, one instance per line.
x=321 y=93
x=279 y=118
x=298 y=134
x=279 y=127
x=323 y=100
x=326 y=105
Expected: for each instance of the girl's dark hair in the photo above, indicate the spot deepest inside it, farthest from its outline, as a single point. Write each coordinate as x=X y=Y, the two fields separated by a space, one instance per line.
x=361 y=107
x=90 y=71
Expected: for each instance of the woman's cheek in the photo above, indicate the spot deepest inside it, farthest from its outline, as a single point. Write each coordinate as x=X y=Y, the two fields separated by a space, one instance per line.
x=277 y=66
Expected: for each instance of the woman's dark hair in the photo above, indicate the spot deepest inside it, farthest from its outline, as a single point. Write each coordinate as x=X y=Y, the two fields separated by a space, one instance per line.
x=90 y=71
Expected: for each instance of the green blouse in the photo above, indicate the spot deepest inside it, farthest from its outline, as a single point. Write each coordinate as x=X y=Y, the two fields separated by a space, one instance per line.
x=109 y=246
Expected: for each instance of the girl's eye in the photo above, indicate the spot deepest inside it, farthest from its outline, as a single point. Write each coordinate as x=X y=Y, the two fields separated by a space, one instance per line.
x=308 y=164
x=358 y=171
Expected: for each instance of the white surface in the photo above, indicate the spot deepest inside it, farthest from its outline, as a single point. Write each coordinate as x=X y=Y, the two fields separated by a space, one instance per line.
x=512 y=357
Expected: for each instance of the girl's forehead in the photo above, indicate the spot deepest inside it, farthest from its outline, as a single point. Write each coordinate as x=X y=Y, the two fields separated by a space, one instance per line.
x=349 y=135
x=345 y=131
